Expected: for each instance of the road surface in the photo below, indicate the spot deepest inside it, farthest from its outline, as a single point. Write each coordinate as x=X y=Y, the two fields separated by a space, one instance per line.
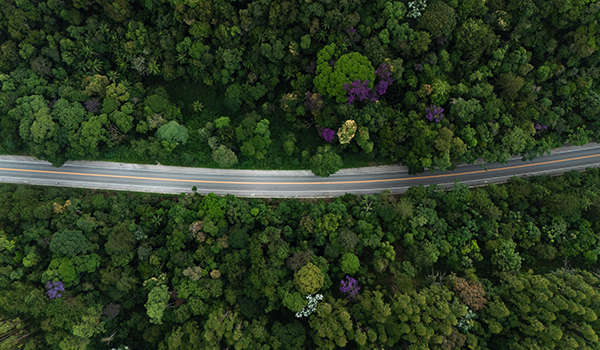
x=285 y=183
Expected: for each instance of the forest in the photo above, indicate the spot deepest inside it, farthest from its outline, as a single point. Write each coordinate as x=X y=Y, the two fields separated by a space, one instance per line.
x=300 y=84
x=505 y=266
x=313 y=84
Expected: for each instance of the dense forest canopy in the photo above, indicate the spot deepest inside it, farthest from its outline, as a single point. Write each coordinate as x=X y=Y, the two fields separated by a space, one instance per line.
x=510 y=266
x=316 y=84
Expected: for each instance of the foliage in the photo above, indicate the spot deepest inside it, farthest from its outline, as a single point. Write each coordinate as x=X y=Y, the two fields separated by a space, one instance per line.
x=91 y=81
x=224 y=156
x=416 y=8
x=157 y=302
x=347 y=132
x=434 y=113
x=70 y=243
x=96 y=81
x=325 y=162
x=173 y=132
x=350 y=286
x=360 y=90
x=309 y=279
x=460 y=257
x=312 y=305
x=54 y=289
x=347 y=69
x=349 y=263
x=327 y=134
x=439 y=18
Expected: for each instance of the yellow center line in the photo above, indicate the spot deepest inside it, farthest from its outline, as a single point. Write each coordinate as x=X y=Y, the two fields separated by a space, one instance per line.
x=298 y=183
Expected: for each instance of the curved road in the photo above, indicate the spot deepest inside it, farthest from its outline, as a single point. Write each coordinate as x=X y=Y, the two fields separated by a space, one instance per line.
x=272 y=183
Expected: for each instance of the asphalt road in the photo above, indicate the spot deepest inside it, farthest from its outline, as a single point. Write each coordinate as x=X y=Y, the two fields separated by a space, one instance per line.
x=271 y=183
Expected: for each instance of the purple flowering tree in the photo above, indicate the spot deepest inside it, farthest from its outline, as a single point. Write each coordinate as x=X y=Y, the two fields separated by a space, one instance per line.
x=384 y=74
x=54 y=289
x=327 y=134
x=434 y=113
x=350 y=286
x=540 y=127
x=418 y=67
x=360 y=90
x=383 y=71
x=92 y=105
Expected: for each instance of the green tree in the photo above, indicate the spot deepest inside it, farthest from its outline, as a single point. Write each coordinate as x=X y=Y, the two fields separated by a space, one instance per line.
x=421 y=42
x=69 y=115
x=257 y=145
x=224 y=156
x=439 y=19
x=349 y=263
x=173 y=132
x=473 y=38
x=510 y=85
x=122 y=120
x=347 y=69
x=424 y=318
x=362 y=138
x=118 y=92
x=467 y=111
x=505 y=256
x=325 y=162
x=70 y=243
x=157 y=303
x=39 y=130
x=331 y=324
x=556 y=310
x=234 y=96
x=87 y=140
x=120 y=245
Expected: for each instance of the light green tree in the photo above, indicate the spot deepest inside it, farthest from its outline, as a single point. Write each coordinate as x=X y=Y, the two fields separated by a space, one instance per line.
x=349 y=263
x=86 y=141
x=309 y=279
x=157 y=303
x=347 y=68
x=362 y=138
x=172 y=132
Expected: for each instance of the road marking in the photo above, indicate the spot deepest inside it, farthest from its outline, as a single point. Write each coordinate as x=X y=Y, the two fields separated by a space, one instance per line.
x=299 y=183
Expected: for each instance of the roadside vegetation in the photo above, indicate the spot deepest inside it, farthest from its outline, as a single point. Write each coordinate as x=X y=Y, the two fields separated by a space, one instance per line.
x=510 y=266
x=297 y=84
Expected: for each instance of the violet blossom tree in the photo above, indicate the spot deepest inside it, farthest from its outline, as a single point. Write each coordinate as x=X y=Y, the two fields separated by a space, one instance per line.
x=434 y=113
x=327 y=134
x=360 y=89
x=350 y=286
x=383 y=72
x=93 y=105
x=54 y=289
